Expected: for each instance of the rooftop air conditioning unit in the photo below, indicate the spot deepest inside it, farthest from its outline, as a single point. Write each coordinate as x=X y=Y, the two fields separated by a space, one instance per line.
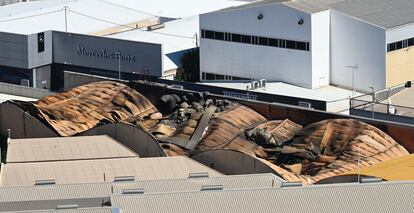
x=25 y=82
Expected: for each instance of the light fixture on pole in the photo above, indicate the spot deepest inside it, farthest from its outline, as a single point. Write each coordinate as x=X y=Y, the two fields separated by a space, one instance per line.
x=354 y=68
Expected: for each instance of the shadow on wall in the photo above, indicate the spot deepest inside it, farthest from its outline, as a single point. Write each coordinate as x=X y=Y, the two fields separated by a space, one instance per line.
x=137 y=140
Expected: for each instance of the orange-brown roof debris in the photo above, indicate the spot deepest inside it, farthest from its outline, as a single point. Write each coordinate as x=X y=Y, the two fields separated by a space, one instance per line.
x=84 y=107
x=193 y=123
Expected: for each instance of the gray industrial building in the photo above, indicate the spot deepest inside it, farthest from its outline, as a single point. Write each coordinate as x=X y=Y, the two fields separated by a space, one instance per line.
x=39 y=60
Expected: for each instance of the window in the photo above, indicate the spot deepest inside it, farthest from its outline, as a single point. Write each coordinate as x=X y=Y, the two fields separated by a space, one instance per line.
x=209 y=76
x=301 y=45
x=219 y=36
x=246 y=39
x=219 y=77
x=263 y=41
x=273 y=42
x=411 y=42
x=290 y=44
x=209 y=34
x=236 y=37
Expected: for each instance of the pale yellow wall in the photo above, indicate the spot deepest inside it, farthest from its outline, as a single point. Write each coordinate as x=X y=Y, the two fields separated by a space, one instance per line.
x=400 y=66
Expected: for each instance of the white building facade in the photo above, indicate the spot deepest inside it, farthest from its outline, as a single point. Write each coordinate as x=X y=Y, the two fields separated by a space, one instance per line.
x=304 y=46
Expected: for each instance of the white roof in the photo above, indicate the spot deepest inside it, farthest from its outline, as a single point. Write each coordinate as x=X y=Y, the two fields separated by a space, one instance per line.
x=101 y=170
x=177 y=8
x=337 y=98
x=91 y=16
x=65 y=148
x=7 y=97
x=79 y=17
x=185 y=29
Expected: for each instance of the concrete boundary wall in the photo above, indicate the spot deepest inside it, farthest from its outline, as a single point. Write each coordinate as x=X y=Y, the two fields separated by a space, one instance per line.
x=24 y=91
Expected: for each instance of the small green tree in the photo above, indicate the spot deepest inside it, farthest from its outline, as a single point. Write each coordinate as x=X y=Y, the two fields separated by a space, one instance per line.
x=190 y=67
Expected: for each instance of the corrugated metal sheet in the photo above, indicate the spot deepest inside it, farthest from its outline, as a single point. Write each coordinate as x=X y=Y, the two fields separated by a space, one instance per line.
x=84 y=107
x=83 y=210
x=383 y=13
x=65 y=148
x=101 y=190
x=92 y=171
x=396 y=169
x=378 y=197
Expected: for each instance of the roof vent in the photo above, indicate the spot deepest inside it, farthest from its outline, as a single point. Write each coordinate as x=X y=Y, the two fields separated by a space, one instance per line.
x=370 y=180
x=155 y=27
x=262 y=83
x=211 y=187
x=71 y=206
x=291 y=184
x=45 y=182
x=198 y=175
x=124 y=178
x=133 y=191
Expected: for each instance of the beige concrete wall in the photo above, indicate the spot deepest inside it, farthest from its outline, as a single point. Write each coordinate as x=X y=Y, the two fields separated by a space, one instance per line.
x=400 y=66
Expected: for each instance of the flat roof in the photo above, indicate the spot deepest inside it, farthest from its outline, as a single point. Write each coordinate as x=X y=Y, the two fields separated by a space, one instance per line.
x=93 y=190
x=185 y=29
x=65 y=148
x=7 y=97
x=373 y=197
x=383 y=13
x=101 y=170
x=337 y=98
x=83 y=16
x=91 y=16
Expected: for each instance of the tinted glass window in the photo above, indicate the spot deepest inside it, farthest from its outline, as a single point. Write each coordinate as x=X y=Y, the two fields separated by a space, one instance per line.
x=219 y=77
x=246 y=39
x=290 y=44
x=209 y=76
x=219 y=36
x=273 y=42
x=209 y=34
x=301 y=45
x=236 y=37
x=411 y=42
x=263 y=41
x=398 y=45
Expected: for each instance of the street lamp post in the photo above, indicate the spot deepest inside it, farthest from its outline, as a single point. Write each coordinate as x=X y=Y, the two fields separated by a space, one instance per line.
x=354 y=68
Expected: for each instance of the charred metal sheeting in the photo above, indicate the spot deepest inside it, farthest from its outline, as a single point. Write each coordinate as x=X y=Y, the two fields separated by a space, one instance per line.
x=86 y=106
x=192 y=124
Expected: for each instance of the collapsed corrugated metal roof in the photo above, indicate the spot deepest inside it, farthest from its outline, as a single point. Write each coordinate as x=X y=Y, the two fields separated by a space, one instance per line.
x=193 y=123
x=86 y=106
